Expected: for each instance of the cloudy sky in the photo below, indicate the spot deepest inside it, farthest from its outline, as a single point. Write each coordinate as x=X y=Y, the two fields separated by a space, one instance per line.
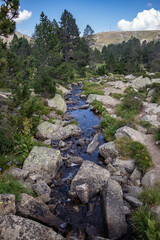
x=102 y=15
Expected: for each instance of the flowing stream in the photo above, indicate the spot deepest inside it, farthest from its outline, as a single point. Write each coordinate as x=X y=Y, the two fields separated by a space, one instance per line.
x=84 y=220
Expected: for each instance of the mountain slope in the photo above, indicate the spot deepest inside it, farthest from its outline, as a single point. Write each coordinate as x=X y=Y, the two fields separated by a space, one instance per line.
x=106 y=38
x=19 y=35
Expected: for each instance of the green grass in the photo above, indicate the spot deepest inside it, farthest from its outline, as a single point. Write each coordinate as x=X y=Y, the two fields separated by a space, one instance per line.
x=110 y=126
x=73 y=122
x=145 y=124
x=92 y=88
x=146 y=225
x=98 y=106
x=118 y=96
x=12 y=186
x=59 y=112
x=151 y=195
x=134 y=150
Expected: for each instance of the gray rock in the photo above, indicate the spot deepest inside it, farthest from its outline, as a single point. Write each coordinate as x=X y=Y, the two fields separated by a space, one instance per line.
x=45 y=161
x=84 y=106
x=47 y=142
x=106 y=100
x=127 y=211
x=113 y=210
x=83 y=96
x=92 y=175
x=140 y=82
x=74 y=160
x=83 y=193
x=156 y=211
x=81 y=141
x=41 y=188
x=94 y=144
x=58 y=103
x=61 y=144
x=131 y=133
x=108 y=150
x=136 y=175
x=119 y=179
x=18 y=228
x=111 y=169
x=7 y=204
x=64 y=90
x=135 y=202
x=129 y=165
x=134 y=191
x=39 y=211
x=18 y=173
x=150 y=92
x=47 y=130
x=149 y=179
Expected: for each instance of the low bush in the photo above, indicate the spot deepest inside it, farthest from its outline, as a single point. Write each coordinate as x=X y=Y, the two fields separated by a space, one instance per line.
x=12 y=186
x=98 y=106
x=146 y=225
x=110 y=126
x=134 y=150
x=130 y=106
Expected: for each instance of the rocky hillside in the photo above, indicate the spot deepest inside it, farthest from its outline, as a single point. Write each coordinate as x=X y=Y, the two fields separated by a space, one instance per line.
x=106 y=38
x=19 y=35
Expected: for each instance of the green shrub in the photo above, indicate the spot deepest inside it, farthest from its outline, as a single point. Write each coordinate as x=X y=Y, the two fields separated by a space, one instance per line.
x=135 y=150
x=151 y=195
x=129 y=107
x=34 y=105
x=98 y=106
x=110 y=126
x=92 y=88
x=146 y=225
x=13 y=186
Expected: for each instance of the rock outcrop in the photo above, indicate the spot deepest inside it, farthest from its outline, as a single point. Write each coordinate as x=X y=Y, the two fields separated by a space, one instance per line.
x=18 y=228
x=113 y=210
x=93 y=176
x=58 y=103
x=47 y=130
x=44 y=161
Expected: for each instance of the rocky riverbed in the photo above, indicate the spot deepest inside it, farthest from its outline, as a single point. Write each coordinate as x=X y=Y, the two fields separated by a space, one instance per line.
x=85 y=190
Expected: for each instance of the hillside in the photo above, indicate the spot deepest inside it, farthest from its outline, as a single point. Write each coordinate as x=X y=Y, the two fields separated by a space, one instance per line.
x=106 y=38
x=19 y=35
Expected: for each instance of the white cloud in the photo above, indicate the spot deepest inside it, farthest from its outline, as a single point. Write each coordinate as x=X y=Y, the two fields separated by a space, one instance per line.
x=23 y=15
x=149 y=4
x=146 y=20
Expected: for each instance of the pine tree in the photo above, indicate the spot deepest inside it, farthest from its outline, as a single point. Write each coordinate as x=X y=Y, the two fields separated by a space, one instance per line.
x=8 y=12
x=69 y=35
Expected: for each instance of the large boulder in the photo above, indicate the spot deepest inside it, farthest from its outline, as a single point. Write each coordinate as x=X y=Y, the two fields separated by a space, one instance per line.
x=113 y=210
x=140 y=82
x=149 y=179
x=94 y=144
x=47 y=130
x=128 y=165
x=7 y=204
x=44 y=161
x=91 y=178
x=58 y=103
x=33 y=208
x=64 y=90
x=108 y=150
x=106 y=100
x=131 y=133
x=18 y=228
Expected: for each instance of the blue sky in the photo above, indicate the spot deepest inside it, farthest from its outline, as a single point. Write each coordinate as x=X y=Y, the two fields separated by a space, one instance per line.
x=101 y=15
